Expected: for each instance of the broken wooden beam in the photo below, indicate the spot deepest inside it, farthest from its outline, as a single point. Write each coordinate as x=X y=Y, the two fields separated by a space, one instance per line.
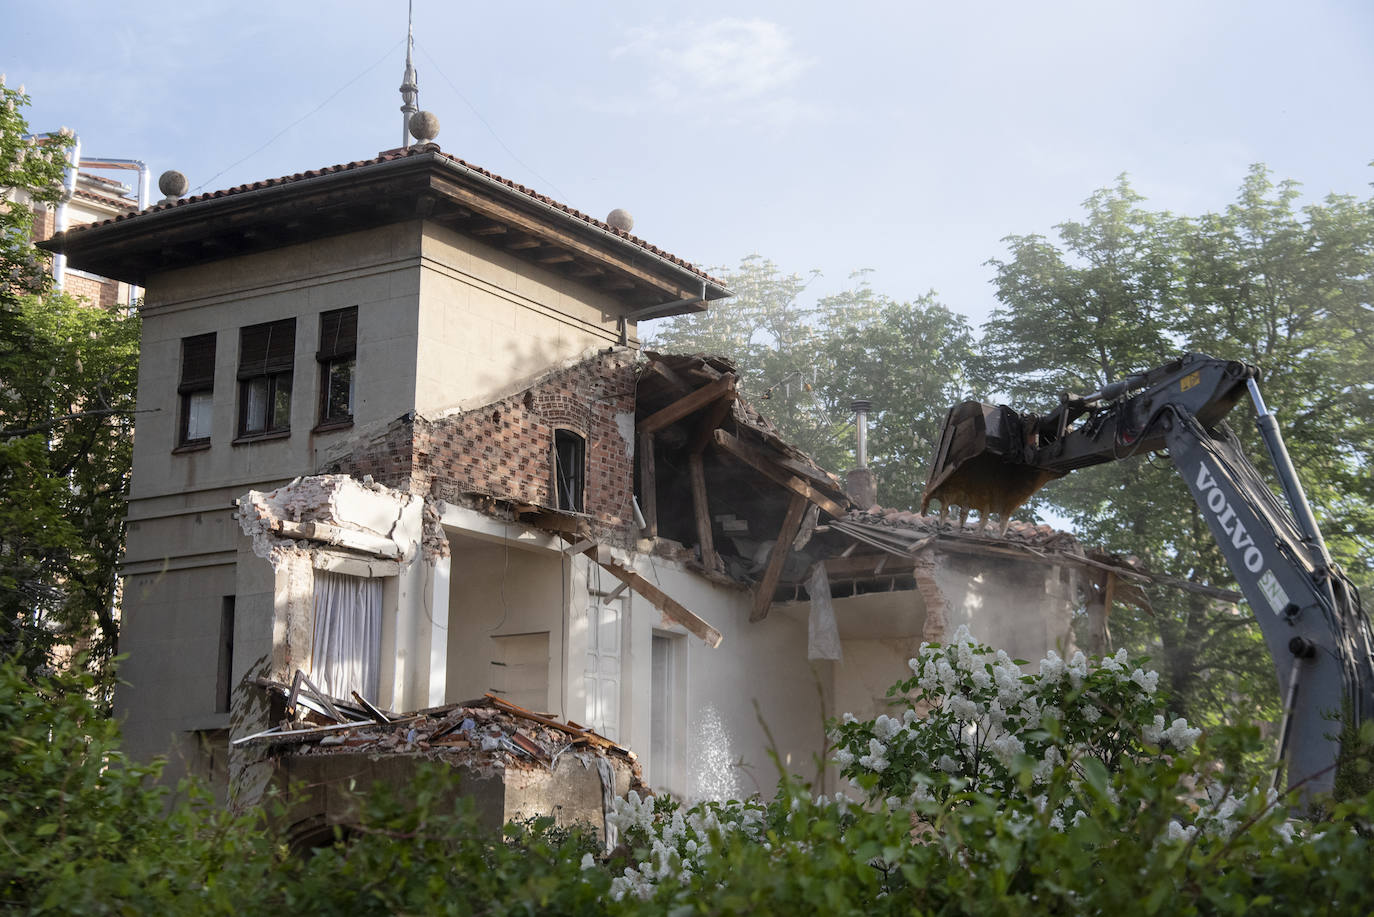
x=791 y=523
x=688 y=404
x=761 y=463
x=702 y=510
x=710 y=421
x=657 y=597
x=648 y=484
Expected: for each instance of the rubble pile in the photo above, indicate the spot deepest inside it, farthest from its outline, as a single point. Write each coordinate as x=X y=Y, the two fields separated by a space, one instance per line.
x=487 y=734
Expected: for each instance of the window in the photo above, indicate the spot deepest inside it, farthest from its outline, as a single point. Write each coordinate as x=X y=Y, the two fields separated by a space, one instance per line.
x=266 y=359
x=338 y=346
x=569 y=469
x=345 y=653
x=197 y=388
x=224 y=685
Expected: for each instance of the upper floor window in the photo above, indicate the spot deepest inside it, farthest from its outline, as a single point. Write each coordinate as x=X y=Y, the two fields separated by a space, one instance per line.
x=267 y=354
x=338 y=348
x=569 y=469
x=197 y=389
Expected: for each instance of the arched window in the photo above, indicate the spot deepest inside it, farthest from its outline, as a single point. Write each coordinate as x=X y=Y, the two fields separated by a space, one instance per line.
x=569 y=469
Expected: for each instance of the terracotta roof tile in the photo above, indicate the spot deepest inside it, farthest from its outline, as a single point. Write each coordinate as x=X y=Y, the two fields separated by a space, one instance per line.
x=402 y=153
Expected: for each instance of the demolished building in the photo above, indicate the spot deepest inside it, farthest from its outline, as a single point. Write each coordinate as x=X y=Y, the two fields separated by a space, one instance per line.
x=397 y=433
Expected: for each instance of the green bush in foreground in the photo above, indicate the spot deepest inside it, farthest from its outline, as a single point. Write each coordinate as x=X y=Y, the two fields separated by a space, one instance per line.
x=962 y=811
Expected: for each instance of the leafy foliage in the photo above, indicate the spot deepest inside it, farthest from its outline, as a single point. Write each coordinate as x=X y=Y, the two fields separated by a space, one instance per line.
x=1126 y=288
x=69 y=376
x=803 y=364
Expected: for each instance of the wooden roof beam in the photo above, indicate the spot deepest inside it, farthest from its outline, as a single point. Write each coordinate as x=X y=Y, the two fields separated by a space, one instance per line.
x=787 y=533
x=689 y=404
x=656 y=596
x=765 y=466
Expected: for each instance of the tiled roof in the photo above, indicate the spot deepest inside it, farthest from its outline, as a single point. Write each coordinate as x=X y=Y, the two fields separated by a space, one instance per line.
x=1043 y=537
x=108 y=200
x=403 y=153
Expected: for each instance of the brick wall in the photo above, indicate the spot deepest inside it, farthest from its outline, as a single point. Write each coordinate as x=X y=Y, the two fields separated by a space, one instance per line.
x=504 y=449
x=102 y=293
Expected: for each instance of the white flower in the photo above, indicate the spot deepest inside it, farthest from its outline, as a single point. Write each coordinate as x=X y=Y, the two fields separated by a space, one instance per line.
x=1148 y=681
x=1006 y=747
x=1181 y=735
x=844 y=757
x=885 y=727
x=588 y=861
x=1177 y=832
x=1052 y=667
x=947 y=764
x=1090 y=713
x=1155 y=734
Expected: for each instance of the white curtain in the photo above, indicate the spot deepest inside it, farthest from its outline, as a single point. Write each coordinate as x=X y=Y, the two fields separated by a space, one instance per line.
x=346 y=653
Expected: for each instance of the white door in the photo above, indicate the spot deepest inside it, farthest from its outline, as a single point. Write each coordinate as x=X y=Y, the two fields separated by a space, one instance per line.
x=602 y=673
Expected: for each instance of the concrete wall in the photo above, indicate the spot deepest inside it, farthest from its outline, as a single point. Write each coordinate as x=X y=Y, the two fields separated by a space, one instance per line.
x=501 y=590
x=758 y=677
x=491 y=322
x=1025 y=608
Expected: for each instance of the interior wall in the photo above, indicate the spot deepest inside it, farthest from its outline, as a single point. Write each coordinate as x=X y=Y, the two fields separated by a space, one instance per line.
x=501 y=590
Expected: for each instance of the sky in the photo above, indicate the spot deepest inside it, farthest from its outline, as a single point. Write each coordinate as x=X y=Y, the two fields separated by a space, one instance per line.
x=905 y=139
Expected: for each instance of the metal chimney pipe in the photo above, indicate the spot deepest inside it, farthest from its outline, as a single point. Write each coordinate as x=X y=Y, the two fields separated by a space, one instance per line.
x=861 y=407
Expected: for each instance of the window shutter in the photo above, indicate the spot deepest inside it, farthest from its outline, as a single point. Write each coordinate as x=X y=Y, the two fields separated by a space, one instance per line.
x=197 y=363
x=266 y=349
x=338 y=334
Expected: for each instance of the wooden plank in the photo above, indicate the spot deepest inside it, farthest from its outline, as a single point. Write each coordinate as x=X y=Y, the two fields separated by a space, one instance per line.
x=861 y=565
x=763 y=597
x=702 y=510
x=495 y=229
x=377 y=715
x=523 y=244
x=561 y=258
x=659 y=599
x=765 y=466
x=676 y=381
x=712 y=419
x=683 y=406
x=648 y=484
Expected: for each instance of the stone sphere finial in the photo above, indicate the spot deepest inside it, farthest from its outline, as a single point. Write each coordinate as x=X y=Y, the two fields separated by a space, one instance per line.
x=173 y=184
x=621 y=220
x=424 y=126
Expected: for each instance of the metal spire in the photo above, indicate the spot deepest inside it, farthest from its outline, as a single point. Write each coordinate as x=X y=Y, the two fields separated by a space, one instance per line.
x=410 y=89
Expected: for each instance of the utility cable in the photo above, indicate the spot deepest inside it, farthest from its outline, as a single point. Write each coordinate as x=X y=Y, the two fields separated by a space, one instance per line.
x=490 y=129
x=312 y=111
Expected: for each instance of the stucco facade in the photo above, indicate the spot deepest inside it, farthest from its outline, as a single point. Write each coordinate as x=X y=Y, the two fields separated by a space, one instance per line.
x=490 y=347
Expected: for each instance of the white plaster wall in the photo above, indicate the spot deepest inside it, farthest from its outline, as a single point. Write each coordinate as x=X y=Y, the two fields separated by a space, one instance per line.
x=1025 y=608
x=490 y=322
x=758 y=677
x=167 y=688
x=499 y=590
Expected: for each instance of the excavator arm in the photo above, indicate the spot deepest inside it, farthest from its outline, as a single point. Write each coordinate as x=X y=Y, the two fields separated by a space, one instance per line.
x=992 y=458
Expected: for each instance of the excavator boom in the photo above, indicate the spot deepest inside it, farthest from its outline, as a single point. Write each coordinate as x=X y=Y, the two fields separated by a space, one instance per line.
x=992 y=458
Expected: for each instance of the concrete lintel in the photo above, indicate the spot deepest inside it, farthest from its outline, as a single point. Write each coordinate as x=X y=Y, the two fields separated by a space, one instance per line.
x=472 y=524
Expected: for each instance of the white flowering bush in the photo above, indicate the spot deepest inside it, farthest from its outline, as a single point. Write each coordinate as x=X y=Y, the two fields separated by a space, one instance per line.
x=673 y=841
x=976 y=722
x=1069 y=789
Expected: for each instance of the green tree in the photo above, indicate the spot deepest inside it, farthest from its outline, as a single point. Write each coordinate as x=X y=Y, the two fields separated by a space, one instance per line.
x=68 y=375
x=1125 y=289
x=803 y=365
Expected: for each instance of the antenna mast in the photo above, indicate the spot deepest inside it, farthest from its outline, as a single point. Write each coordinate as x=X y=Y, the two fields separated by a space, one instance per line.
x=410 y=89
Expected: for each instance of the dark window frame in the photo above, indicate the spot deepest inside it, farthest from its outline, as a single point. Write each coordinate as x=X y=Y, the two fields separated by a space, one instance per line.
x=569 y=460
x=197 y=378
x=337 y=354
x=267 y=355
